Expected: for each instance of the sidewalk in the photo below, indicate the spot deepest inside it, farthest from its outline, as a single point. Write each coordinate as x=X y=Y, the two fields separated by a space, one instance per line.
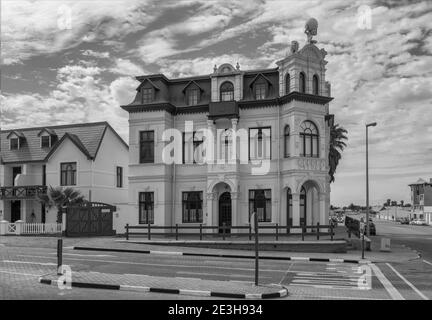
x=183 y=286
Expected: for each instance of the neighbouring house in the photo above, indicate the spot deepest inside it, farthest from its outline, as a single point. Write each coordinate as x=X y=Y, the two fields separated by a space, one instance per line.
x=90 y=157
x=284 y=112
x=421 y=199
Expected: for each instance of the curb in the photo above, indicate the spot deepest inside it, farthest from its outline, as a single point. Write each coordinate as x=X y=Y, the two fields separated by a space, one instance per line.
x=176 y=253
x=203 y=293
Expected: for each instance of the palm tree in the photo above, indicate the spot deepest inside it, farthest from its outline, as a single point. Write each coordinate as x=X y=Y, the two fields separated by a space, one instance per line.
x=337 y=135
x=59 y=197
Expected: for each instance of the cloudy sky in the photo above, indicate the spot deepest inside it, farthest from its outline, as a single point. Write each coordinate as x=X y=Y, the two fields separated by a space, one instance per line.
x=65 y=62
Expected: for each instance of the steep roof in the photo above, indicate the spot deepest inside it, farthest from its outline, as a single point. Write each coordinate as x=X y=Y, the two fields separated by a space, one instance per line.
x=87 y=137
x=420 y=181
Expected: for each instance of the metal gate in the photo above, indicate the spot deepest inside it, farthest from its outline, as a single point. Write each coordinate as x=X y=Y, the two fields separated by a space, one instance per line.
x=90 y=219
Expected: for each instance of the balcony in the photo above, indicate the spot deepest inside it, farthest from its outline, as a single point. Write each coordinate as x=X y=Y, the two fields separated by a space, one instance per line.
x=21 y=192
x=223 y=109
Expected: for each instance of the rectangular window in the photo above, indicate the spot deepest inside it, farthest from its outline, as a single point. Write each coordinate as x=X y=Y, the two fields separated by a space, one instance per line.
x=147 y=146
x=192 y=206
x=193 y=95
x=146 y=207
x=147 y=95
x=45 y=141
x=191 y=142
x=68 y=174
x=260 y=91
x=119 y=177
x=259 y=143
x=14 y=143
x=260 y=202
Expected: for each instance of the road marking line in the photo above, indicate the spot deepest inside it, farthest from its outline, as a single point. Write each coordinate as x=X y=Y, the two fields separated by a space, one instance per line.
x=20 y=273
x=425 y=261
x=219 y=274
x=408 y=283
x=84 y=255
x=167 y=252
x=393 y=292
x=29 y=262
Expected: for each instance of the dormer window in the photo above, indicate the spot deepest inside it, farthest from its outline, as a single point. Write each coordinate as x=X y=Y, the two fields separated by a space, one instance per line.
x=147 y=95
x=14 y=143
x=45 y=141
x=260 y=91
x=193 y=96
x=227 y=91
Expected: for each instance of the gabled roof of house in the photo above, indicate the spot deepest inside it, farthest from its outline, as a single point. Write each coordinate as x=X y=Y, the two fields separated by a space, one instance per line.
x=86 y=136
x=47 y=130
x=420 y=181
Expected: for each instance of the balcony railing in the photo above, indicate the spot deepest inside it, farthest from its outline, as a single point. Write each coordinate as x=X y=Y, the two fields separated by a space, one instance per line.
x=223 y=109
x=22 y=192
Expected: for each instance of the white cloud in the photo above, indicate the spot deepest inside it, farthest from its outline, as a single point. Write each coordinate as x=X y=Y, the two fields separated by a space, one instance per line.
x=127 y=67
x=96 y=54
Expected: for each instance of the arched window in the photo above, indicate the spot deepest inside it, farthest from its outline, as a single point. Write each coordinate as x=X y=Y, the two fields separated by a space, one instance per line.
x=227 y=91
x=286 y=141
x=315 y=84
x=302 y=82
x=309 y=138
x=287 y=83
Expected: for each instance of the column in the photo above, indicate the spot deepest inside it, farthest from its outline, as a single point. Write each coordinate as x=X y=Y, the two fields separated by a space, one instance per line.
x=233 y=156
x=211 y=155
x=296 y=211
x=235 y=218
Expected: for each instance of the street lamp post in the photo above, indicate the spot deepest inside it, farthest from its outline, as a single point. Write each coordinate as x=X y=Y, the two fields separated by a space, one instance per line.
x=373 y=124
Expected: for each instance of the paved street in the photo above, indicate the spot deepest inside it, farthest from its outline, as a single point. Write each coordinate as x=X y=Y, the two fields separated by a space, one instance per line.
x=20 y=268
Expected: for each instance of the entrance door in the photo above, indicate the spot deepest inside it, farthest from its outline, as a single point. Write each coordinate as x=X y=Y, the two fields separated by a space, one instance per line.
x=15 y=210
x=225 y=210
x=303 y=206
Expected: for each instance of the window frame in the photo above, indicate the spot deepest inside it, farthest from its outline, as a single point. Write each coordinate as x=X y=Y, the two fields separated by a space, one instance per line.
x=119 y=177
x=68 y=180
x=315 y=84
x=286 y=141
x=49 y=141
x=198 y=205
x=270 y=140
x=146 y=203
x=262 y=89
x=287 y=83
x=189 y=92
x=195 y=144
x=17 y=143
x=302 y=82
x=147 y=97
x=223 y=91
x=312 y=137
x=267 y=216
x=150 y=144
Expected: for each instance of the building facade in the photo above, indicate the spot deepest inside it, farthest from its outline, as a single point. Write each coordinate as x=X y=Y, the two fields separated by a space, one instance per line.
x=91 y=158
x=421 y=199
x=283 y=114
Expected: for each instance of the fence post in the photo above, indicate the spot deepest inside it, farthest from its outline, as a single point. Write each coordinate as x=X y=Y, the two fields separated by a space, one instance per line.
x=277 y=231
x=59 y=255
x=223 y=230
x=250 y=232
x=127 y=231
x=176 y=231
x=303 y=229
x=200 y=231
x=318 y=230
x=148 y=231
x=331 y=231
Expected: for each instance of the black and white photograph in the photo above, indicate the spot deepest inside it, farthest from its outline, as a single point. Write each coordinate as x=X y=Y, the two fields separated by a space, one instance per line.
x=216 y=158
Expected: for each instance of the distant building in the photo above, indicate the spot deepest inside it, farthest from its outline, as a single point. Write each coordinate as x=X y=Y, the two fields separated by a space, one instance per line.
x=421 y=199
x=89 y=157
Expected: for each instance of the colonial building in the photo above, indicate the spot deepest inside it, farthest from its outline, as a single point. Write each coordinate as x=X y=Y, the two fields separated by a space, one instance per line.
x=90 y=157
x=285 y=114
x=421 y=199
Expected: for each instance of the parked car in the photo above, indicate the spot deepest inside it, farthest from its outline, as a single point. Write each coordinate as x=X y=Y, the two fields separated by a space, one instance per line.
x=403 y=220
x=418 y=222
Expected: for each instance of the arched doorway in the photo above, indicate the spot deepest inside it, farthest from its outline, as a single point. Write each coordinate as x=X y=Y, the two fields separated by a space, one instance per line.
x=310 y=212
x=289 y=209
x=303 y=206
x=225 y=210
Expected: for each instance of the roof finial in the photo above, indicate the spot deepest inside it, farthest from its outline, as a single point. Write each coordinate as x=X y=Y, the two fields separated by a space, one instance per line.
x=237 y=66
x=311 y=29
x=215 y=68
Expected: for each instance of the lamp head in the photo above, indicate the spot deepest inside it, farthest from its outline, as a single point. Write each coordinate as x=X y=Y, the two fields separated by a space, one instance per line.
x=373 y=124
